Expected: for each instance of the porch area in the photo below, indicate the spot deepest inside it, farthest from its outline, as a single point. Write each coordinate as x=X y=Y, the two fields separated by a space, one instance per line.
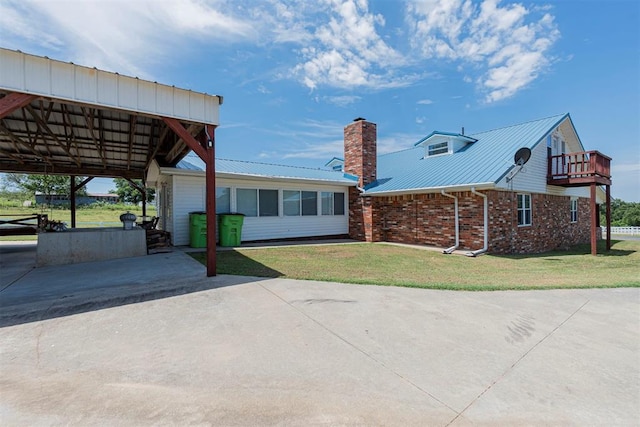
x=585 y=169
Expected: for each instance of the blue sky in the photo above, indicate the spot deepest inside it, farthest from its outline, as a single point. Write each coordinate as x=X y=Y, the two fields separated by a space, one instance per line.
x=294 y=73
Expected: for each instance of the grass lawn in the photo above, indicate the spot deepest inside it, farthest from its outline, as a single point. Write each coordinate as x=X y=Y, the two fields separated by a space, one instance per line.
x=86 y=217
x=390 y=265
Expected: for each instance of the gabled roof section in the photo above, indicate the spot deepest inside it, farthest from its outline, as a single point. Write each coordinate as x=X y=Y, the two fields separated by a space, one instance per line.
x=481 y=164
x=435 y=135
x=244 y=169
x=335 y=162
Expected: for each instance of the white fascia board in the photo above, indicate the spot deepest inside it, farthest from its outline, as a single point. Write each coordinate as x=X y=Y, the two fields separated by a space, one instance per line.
x=187 y=172
x=459 y=187
x=42 y=76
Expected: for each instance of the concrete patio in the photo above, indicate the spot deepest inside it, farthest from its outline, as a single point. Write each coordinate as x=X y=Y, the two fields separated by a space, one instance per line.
x=152 y=341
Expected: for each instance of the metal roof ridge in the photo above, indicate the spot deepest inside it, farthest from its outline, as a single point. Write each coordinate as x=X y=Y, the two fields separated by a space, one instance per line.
x=276 y=164
x=559 y=116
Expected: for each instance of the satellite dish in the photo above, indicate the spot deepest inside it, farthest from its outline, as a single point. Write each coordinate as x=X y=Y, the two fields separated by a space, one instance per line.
x=522 y=156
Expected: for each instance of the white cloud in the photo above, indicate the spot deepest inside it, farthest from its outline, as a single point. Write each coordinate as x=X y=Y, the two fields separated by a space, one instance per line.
x=348 y=52
x=425 y=102
x=123 y=36
x=342 y=101
x=420 y=119
x=507 y=43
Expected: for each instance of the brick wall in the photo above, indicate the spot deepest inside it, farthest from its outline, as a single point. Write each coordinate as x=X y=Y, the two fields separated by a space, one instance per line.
x=550 y=228
x=360 y=153
x=429 y=219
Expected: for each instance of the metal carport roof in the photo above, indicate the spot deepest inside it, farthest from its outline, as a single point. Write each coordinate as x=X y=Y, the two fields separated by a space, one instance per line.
x=61 y=118
x=75 y=120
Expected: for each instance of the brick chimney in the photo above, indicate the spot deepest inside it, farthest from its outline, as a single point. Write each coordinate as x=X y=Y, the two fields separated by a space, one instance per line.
x=360 y=152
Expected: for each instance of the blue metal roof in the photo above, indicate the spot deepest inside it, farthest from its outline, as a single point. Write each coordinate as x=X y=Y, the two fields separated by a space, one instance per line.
x=439 y=133
x=267 y=170
x=485 y=161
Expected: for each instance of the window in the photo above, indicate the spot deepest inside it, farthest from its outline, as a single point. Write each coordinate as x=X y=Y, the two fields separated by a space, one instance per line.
x=268 y=202
x=439 y=148
x=338 y=203
x=300 y=203
x=332 y=203
x=291 y=203
x=223 y=200
x=524 y=209
x=309 y=203
x=574 y=210
x=247 y=201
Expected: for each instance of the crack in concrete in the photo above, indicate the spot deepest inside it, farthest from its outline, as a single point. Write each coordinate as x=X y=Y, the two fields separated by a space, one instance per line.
x=18 y=278
x=377 y=361
x=516 y=362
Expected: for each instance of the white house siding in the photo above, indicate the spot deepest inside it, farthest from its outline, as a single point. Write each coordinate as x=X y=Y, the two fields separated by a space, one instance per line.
x=189 y=195
x=533 y=177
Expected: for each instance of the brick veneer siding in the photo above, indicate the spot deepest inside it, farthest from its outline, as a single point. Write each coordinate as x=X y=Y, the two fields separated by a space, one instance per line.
x=429 y=219
x=360 y=152
x=551 y=226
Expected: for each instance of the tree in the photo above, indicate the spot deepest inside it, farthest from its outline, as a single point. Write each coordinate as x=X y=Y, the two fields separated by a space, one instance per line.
x=44 y=184
x=128 y=193
x=623 y=214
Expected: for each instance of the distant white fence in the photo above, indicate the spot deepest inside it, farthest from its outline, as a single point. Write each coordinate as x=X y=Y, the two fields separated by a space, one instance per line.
x=633 y=231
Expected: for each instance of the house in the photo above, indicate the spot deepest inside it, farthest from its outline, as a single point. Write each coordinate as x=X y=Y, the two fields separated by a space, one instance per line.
x=525 y=188
x=474 y=192
x=278 y=201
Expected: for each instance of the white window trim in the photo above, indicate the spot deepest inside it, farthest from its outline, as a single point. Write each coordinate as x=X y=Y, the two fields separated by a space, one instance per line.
x=524 y=209
x=574 y=202
x=448 y=145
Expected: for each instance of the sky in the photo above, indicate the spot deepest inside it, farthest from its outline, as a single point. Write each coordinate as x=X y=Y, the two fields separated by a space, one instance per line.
x=294 y=73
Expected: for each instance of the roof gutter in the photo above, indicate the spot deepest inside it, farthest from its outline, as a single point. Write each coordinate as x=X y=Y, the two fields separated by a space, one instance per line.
x=457 y=227
x=486 y=225
x=460 y=187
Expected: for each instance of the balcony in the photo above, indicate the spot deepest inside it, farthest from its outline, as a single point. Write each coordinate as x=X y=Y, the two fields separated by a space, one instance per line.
x=579 y=169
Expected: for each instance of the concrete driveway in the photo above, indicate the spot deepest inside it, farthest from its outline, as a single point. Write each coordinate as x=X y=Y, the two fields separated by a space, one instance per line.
x=243 y=351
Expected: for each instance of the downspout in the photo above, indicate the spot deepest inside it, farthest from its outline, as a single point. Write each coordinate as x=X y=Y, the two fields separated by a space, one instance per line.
x=486 y=225
x=457 y=227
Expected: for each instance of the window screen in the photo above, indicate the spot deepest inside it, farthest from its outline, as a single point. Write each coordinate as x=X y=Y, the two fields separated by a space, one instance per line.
x=291 y=202
x=309 y=203
x=268 y=201
x=247 y=201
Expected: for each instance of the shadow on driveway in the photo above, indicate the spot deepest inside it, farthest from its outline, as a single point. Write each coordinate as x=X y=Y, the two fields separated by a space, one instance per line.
x=29 y=294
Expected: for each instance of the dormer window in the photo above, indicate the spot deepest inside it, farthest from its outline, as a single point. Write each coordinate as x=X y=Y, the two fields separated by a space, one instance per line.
x=440 y=143
x=336 y=164
x=438 y=148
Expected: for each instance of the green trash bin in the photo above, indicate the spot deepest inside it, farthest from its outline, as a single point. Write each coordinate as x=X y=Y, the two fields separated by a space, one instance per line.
x=231 y=229
x=198 y=229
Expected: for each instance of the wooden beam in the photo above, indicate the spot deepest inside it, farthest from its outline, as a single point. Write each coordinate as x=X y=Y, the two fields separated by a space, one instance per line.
x=57 y=169
x=42 y=124
x=13 y=101
x=594 y=221
x=188 y=139
x=207 y=142
x=132 y=134
x=16 y=140
x=73 y=200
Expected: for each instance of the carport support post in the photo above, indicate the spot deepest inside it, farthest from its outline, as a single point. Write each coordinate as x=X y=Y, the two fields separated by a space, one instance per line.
x=204 y=147
x=209 y=144
x=72 y=178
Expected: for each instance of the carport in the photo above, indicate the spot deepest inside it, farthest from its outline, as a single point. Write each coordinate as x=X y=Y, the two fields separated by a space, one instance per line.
x=59 y=118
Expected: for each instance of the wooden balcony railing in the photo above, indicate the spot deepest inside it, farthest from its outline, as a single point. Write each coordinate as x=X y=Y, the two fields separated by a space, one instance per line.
x=578 y=169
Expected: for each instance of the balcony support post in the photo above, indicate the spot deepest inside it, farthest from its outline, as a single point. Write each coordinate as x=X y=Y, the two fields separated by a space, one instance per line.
x=594 y=221
x=608 y=189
